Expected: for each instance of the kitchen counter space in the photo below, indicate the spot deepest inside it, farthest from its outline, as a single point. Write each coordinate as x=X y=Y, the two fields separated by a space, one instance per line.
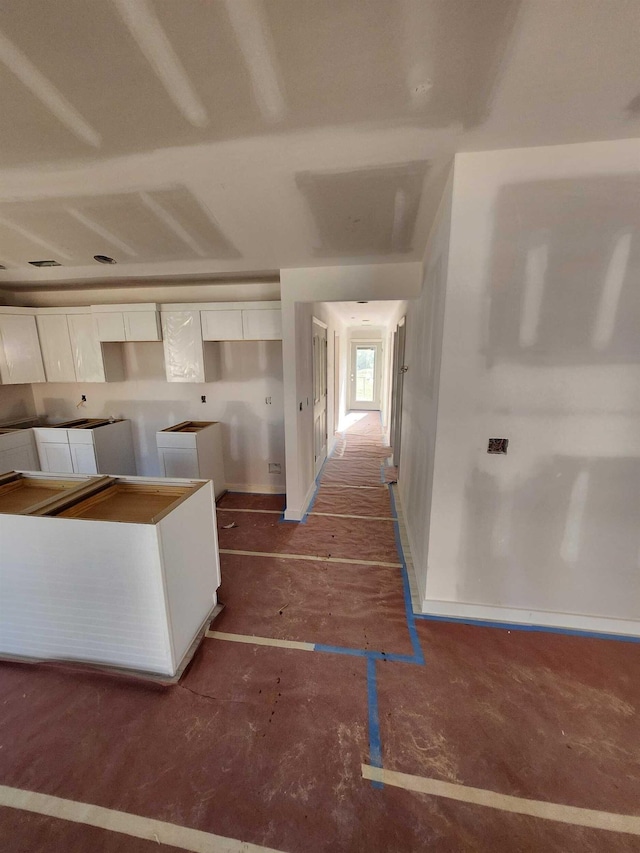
x=118 y=571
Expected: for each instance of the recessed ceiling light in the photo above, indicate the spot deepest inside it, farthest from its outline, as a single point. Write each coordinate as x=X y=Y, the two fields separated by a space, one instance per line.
x=2 y=267
x=103 y=259
x=362 y=303
x=44 y=263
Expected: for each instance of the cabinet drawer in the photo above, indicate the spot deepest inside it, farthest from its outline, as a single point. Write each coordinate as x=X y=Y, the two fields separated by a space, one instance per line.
x=51 y=435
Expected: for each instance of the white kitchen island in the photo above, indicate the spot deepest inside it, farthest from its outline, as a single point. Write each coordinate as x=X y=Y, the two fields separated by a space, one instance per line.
x=117 y=571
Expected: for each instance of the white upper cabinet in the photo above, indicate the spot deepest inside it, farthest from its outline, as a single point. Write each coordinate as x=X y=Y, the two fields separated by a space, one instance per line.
x=222 y=325
x=262 y=324
x=20 y=357
x=110 y=326
x=55 y=344
x=183 y=347
x=93 y=361
x=127 y=322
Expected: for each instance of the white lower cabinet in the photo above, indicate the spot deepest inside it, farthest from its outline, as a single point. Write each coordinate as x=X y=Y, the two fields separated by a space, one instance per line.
x=193 y=449
x=87 y=446
x=18 y=451
x=120 y=571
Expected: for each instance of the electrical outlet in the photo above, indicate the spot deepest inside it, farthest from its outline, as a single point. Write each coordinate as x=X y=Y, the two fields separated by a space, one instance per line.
x=275 y=468
x=267 y=400
x=83 y=399
x=203 y=399
x=497 y=445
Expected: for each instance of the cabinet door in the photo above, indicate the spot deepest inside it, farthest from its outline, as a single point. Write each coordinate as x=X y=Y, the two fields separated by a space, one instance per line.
x=83 y=457
x=87 y=352
x=142 y=326
x=178 y=462
x=18 y=459
x=183 y=351
x=20 y=357
x=221 y=325
x=262 y=325
x=110 y=325
x=56 y=348
x=55 y=458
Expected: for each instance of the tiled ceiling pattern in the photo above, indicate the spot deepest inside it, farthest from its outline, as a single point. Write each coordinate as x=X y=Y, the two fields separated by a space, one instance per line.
x=120 y=76
x=168 y=224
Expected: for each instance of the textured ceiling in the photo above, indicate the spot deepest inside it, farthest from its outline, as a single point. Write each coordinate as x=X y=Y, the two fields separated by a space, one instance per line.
x=217 y=137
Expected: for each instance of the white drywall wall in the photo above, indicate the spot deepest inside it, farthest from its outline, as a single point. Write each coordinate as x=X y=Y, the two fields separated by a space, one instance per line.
x=253 y=431
x=423 y=347
x=16 y=402
x=541 y=346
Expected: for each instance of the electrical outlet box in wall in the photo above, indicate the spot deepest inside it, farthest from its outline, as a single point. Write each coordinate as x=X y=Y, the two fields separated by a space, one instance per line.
x=497 y=445
x=275 y=468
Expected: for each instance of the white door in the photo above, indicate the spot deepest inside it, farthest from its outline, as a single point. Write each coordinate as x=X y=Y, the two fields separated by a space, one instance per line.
x=319 y=393
x=365 y=374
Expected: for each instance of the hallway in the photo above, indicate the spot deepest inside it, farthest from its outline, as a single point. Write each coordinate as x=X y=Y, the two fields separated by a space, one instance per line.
x=320 y=715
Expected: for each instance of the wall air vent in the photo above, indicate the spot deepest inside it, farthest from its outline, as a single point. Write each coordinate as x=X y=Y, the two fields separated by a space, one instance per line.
x=44 y=263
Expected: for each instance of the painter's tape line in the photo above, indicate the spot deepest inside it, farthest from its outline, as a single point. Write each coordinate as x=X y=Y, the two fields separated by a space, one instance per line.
x=375 y=746
x=537 y=629
x=558 y=812
x=311 y=558
x=360 y=517
x=237 y=509
x=124 y=823
x=406 y=588
x=331 y=485
x=252 y=640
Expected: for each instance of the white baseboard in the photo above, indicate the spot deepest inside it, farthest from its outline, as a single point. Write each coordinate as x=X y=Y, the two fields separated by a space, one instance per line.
x=295 y=514
x=257 y=488
x=542 y=618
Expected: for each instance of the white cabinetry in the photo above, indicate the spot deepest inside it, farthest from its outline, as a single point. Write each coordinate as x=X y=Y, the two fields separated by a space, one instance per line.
x=55 y=344
x=184 y=353
x=18 y=451
x=87 y=447
x=224 y=325
x=20 y=358
x=93 y=360
x=241 y=321
x=127 y=322
x=262 y=324
x=193 y=449
x=119 y=572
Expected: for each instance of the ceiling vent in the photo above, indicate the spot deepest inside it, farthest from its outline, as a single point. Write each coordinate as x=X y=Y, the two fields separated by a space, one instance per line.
x=44 y=263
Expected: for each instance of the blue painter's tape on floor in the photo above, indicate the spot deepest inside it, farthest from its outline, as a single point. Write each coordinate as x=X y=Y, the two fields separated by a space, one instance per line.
x=537 y=629
x=406 y=589
x=375 y=747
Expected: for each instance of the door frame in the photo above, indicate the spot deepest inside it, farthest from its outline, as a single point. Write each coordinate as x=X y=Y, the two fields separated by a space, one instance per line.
x=398 y=371
x=319 y=364
x=376 y=405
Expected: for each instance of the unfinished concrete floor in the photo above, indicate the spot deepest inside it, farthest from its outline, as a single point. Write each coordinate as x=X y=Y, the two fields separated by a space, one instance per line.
x=316 y=683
